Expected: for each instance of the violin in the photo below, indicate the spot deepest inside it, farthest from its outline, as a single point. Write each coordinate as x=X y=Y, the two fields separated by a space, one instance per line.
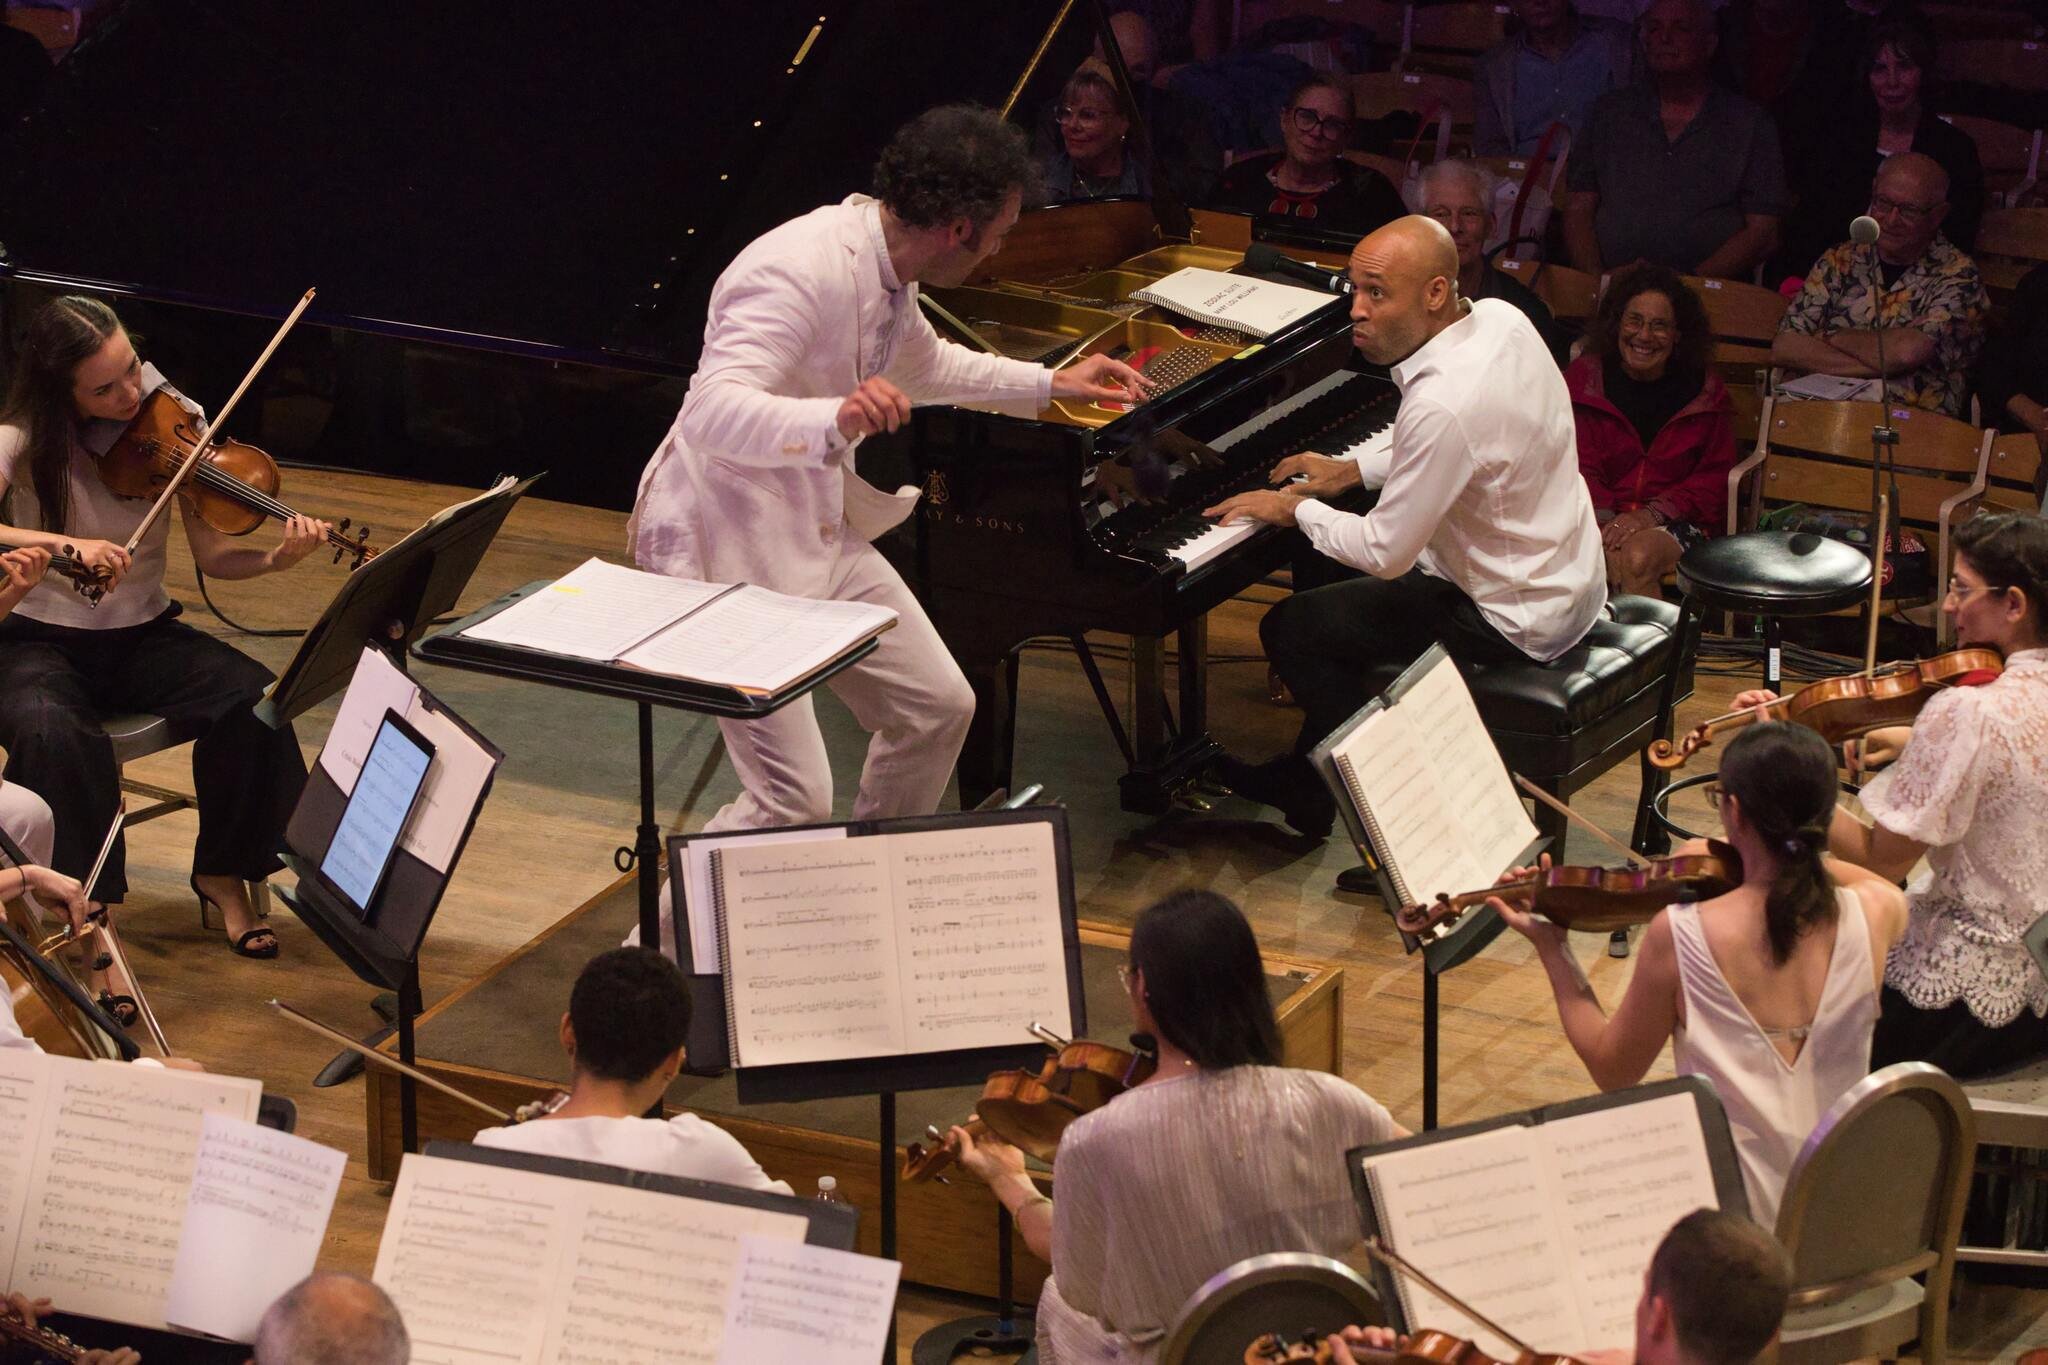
x=91 y=583
x=1425 y=1346
x=52 y=1005
x=1595 y=900
x=1031 y=1110
x=1849 y=707
x=233 y=488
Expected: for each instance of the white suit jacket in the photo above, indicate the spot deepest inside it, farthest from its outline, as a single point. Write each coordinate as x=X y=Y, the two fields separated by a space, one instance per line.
x=754 y=483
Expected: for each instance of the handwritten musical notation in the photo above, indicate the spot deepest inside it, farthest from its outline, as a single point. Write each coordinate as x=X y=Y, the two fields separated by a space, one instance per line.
x=892 y=944
x=493 y=1264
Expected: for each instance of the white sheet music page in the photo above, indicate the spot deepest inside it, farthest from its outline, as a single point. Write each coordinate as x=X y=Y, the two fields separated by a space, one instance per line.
x=23 y=1074
x=595 y=611
x=1475 y=1215
x=448 y=798
x=253 y=1226
x=697 y=885
x=818 y=1305
x=1623 y=1176
x=377 y=686
x=759 y=641
x=115 y=1153
x=1468 y=771
x=811 y=951
x=978 y=939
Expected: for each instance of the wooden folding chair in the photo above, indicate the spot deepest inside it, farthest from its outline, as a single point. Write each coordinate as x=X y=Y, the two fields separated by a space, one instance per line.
x=1379 y=93
x=2010 y=155
x=2019 y=65
x=1566 y=292
x=2010 y=242
x=1449 y=38
x=1745 y=321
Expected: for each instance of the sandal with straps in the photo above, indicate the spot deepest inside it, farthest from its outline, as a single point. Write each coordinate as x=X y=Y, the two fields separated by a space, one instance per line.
x=238 y=946
x=122 y=1009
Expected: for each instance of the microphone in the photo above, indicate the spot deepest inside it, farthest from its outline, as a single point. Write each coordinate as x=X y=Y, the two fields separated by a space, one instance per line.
x=1265 y=260
x=1863 y=230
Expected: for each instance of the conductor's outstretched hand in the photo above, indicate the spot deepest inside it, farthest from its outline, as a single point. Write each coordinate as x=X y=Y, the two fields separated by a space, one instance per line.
x=1098 y=378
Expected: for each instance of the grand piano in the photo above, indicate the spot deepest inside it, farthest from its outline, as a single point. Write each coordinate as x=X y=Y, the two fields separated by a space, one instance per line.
x=537 y=200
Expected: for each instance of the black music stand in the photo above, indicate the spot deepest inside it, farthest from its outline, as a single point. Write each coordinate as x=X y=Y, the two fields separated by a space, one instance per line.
x=646 y=690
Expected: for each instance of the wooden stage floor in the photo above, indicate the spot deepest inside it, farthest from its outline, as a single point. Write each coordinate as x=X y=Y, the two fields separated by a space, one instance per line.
x=566 y=798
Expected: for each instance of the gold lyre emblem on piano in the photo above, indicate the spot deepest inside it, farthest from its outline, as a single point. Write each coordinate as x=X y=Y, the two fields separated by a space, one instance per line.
x=935 y=490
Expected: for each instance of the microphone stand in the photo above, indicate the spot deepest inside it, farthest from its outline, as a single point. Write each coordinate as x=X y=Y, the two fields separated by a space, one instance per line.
x=1884 y=440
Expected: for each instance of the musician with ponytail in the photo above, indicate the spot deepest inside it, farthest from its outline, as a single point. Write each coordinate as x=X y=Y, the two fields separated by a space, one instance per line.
x=77 y=383
x=1769 y=991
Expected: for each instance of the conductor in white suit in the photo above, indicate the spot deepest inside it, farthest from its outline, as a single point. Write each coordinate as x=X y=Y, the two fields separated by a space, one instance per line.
x=815 y=340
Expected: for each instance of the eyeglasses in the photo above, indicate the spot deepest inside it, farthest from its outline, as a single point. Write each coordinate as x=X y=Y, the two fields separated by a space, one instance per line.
x=1962 y=591
x=1308 y=121
x=1713 y=791
x=1079 y=117
x=1882 y=206
x=1636 y=322
x=1123 y=975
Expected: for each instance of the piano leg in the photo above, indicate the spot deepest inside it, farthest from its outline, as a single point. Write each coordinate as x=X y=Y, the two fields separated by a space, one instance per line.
x=987 y=757
x=1194 y=676
x=1167 y=757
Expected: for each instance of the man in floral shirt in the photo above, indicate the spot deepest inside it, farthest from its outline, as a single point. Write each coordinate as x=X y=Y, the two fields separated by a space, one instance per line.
x=1933 y=306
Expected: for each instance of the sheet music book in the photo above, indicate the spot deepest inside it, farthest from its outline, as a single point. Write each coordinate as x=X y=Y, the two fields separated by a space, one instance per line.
x=1546 y=1221
x=730 y=635
x=494 y=1264
x=931 y=940
x=1426 y=786
x=102 y=1165
x=1238 y=302
x=1829 y=388
x=814 y=1304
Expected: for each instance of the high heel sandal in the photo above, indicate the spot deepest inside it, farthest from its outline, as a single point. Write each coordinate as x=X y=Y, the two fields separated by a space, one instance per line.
x=240 y=946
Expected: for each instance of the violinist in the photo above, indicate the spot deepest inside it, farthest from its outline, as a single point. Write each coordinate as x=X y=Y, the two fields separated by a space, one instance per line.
x=25 y=817
x=62 y=663
x=1222 y=1154
x=1967 y=792
x=1714 y=1294
x=1769 y=991
x=629 y=1013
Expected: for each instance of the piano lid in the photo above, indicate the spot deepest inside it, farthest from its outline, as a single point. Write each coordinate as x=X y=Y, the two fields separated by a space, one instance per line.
x=556 y=179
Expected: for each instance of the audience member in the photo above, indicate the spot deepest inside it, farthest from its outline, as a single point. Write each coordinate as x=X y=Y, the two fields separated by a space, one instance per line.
x=1766 y=47
x=1187 y=30
x=1769 y=991
x=1677 y=170
x=1096 y=155
x=1185 y=154
x=1460 y=195
x=331 y=1318
x=1552 y=69
x=1888 y=115
x=2015 y=373
x=629 y=1013
x=1655 y=426
x=1930 y=321
x=1714 y=1293
x=1309 y=183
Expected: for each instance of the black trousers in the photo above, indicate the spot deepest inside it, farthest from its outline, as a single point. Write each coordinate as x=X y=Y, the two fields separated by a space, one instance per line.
x=1953 y=1038
x=55 y=681
x=1322 y=641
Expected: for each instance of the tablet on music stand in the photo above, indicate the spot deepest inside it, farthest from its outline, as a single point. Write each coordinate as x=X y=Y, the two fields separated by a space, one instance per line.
x=380 y=805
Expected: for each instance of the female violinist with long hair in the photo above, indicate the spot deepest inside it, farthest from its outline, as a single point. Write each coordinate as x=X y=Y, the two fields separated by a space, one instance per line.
x=77 y=382
x=1222 y=1154
x=1770 y=991
x=1966 y=791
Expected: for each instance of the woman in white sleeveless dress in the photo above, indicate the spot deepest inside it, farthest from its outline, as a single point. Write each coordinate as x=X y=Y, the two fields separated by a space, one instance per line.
x=1769 y=991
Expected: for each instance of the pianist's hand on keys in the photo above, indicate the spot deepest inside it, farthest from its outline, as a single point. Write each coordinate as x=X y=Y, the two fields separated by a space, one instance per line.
x=1274 y=507
x=1317 y=476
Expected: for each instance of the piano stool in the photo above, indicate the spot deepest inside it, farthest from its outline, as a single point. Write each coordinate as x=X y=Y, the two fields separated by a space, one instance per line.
x=1564 y=723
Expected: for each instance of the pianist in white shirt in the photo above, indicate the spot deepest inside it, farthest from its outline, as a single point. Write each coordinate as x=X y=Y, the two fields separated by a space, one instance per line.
x=628 y=1015
x=1483 y=539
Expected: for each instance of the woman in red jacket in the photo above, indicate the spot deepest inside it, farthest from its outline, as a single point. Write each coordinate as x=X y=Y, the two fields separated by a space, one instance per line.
x=1656 y=427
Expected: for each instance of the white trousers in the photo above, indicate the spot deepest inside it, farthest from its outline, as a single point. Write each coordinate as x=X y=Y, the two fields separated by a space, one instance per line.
x=27 y=819
x=909 y=695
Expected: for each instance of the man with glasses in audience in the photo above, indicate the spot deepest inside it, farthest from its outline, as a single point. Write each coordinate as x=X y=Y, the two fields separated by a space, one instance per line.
x=1912 y=288
x=1309 y=183
x=1459 y=194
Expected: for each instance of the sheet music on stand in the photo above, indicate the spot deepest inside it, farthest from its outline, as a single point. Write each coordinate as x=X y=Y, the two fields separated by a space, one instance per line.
x=1545 y=1220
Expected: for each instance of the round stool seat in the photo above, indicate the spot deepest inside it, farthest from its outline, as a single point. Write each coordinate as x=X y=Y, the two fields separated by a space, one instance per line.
x=1774 y=573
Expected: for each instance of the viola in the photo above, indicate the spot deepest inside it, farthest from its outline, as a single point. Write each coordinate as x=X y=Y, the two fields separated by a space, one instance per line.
x=91 y=583
x=1847 y=708
x=1425 y=1346
x=1597 y=900
x=233 y=488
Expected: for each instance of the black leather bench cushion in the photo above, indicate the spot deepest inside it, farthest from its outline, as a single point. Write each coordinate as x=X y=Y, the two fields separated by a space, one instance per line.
x=1777 y=573
x=1594 y=687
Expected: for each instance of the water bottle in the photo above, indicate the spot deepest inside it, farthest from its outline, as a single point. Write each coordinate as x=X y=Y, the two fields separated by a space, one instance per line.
x=828 y=1190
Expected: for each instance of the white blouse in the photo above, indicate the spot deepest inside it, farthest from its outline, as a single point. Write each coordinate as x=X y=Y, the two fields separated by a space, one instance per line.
x=1972 y=784
x=1183 y=1177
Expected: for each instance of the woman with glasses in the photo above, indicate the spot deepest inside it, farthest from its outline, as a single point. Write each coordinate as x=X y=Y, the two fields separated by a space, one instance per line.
x=1769 y=991
x=1309 y=183
x=1967 y=792
x=1097 y=155
x=1656 y=427
x=1222 y=1154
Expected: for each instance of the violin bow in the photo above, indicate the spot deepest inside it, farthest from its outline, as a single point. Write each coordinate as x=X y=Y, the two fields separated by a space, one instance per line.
x=1393 y=1260
x=110 y=939
x=213 y=428
x=1635 y=859
x=385 y=1060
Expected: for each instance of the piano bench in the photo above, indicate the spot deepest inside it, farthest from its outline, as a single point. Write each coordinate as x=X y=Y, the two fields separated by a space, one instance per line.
x=1564 y=723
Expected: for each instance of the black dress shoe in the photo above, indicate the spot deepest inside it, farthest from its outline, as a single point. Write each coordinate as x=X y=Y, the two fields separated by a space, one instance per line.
x=1288 y=784
x=1359 y=881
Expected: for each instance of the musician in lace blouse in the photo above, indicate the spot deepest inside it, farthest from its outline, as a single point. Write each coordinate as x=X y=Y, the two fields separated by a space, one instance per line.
x=1222 y=1154
x=1966 y=791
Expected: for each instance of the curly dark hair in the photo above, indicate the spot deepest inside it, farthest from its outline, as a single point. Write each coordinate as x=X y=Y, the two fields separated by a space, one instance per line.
x=1695 y=339
x=2010 y=549
x=630 y=1008
x=955 y=161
